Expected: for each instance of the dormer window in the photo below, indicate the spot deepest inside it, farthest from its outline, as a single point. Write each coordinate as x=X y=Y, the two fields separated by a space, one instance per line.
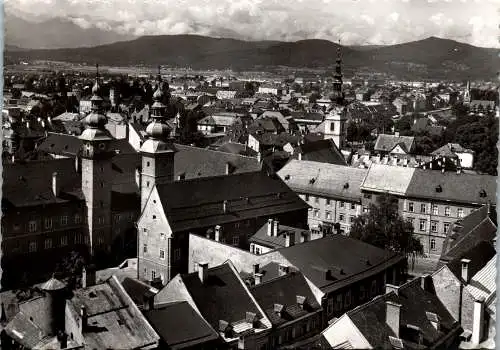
x=482 y=194
x=439 y=189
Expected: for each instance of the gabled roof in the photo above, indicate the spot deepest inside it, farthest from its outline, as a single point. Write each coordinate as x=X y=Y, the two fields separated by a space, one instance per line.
x=483 y=284
x=195 y=162
x=416 y=303
x=276 y=241
x=466 y=233
x=335 y=261
x=198 y=203
x=451 y=150
x=324 y=151
x=24 y=331
x=223 y=296
x=386 y=143
x=287 y=291
x=324 y=179
x=180 y=326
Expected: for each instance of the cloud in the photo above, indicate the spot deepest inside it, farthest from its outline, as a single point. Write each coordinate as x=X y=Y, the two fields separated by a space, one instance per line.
x=356 y=22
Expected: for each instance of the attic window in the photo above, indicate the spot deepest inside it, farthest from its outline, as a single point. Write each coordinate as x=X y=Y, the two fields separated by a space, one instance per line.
x=312 y=181
x=346 y=185
x=482 y=194
x=52 y=145
x=92 y=295
x=287 y=177
x=439 y=189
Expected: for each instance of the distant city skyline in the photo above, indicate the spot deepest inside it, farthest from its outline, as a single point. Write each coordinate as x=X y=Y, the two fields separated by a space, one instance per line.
x=354 y=22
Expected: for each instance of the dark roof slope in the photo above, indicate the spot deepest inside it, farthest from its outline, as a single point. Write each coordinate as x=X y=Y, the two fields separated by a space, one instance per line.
x=138 y=290
x=222 y=297
x=286 y=291
x=180 y=326
x=276 y=241
x=415 y=302
x=324 y=151
x=199 y=202
x=332 y=262
x=386 y=143
x=479 y=255
x=466 y=233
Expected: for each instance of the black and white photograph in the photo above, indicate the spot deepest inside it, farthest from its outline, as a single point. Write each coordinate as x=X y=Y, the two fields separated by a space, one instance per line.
x=249 y=174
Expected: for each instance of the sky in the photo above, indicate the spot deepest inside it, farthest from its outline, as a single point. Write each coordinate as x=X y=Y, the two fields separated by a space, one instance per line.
x=354 y=22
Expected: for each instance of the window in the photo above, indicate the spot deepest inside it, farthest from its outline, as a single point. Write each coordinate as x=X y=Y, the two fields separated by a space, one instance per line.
x=48 y=243
x=332 y=126
x=64 y=241
x=78 y=219
x=328 y=201
x=257 y=250
x=347 y=299
x=32 y=226
x=353 y=206
x=145 y=248
x=307 y=198
x=316 y=200
x=341 y=217
x=32 y=247
x=328 y=215
x=48 y=223
x=64 y=220
x=362 y=292
x=177 y=254
x=447 y=211
x=410 y=207
x=237 y=225
x=100 y=240
x=16 y=227
x=433 y=244
x=338 y=303
x=460 y=212
x=162 y=254
x=365 y=209
x=434 y=226
x=435 y=210
x=236 y=240
x=145 y=230
x=316 y=213
x=148 y=164
x=162 y=236
x=373 y=289
x=153 y=274
x=423 y=208
x=329 y=308
x=341 y=204
x=446 y=227
x=351 y=219
x=422 y=224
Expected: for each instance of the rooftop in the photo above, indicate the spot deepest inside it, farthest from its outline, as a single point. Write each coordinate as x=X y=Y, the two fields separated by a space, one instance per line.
x=277 y=241
x=386 y=143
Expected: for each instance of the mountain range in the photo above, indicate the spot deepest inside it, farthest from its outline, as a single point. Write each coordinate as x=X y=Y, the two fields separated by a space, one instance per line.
x=428 y=58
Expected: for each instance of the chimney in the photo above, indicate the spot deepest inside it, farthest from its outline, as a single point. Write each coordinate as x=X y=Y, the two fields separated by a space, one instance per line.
x=396 y=133
x=477 y=321
x=391 y=288
x=424 y=280
x=459 y=171
x=289 y=239
x=278 y=308
x=258 y=278
x=301 y=301
x=276 y=228
x=270 y=227
x=224 y=206
x=55 y=184
x=203 y=272
x=392 y=318
x=83 y=319
x=63 y=340
x=88 y=276
x=282 y=270
x=228 y=168
x=217 y=233
x=465 y=270
x=299 y=154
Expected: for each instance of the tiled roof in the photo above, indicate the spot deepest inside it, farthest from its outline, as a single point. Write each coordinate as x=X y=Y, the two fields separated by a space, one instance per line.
x=478 y=255
x=196 y=162
x=323 y=179
x=198 y=203
x=276 y=241
x=286 y=291
x=332 y=262
x=483 y=283
x=270 y=139
x=415 y=304
x=324 y=151
x=180 y=326
x=386 y=143
x=24 y=331
x=223 y=296
x=236 y=148
x=464 y=234
x=386 y=178
x=451 y=150
x=138 y=290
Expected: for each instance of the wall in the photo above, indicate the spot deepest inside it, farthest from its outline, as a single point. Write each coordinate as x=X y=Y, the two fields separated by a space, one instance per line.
x=466 y=160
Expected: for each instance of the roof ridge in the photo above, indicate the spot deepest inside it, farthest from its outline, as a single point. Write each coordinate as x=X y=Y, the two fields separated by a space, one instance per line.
x=216 y=151
x=369 y=303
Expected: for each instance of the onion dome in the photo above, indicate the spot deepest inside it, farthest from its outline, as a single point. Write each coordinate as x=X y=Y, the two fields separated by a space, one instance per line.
x=158 y=130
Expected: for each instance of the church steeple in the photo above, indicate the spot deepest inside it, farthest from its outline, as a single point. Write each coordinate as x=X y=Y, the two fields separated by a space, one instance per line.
x=338 y=94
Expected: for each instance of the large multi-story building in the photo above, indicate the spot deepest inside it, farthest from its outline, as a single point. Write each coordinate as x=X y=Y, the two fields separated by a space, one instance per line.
x=432 y=200
x=332 y=191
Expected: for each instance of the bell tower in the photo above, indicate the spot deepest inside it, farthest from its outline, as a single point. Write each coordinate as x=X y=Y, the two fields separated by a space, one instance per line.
x=158 y=150
x=97 y=174
x=338 y=93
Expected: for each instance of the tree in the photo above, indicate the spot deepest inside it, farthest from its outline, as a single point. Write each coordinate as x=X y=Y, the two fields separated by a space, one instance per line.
x=71 y=268
x=383 y=227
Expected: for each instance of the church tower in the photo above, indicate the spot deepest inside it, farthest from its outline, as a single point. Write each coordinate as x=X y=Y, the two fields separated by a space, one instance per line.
x=157 y=151
x=97 y=174
x=467 y=94
x=338 y=93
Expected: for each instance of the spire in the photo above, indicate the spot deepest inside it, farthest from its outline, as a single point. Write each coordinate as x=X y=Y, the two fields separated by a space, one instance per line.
x=158 y=129
x=338 y=95
x=96 y=119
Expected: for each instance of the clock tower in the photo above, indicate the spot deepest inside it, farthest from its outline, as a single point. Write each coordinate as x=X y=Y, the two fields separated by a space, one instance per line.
x=97 y=174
